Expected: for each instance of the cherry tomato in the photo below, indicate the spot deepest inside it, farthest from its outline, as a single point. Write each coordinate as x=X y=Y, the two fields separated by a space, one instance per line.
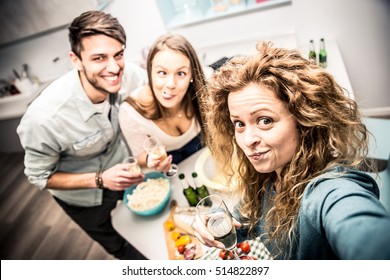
x=223 y=254
x=231 y=256
x=245 y=247
x=181 y=249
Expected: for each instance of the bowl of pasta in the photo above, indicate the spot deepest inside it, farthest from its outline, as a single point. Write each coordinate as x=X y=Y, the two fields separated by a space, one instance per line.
x=149 y=197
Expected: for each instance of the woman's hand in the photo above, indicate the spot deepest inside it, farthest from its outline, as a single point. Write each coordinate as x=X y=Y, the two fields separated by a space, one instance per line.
x=204 y=236
x=160 y=165
x=118 y=177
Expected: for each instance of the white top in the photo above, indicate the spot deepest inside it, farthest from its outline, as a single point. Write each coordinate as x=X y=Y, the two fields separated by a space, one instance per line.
x=136 y=128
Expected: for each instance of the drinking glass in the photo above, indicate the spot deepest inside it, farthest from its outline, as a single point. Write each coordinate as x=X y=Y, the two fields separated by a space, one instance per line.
x=216 y=217
x=156 y=151
x=133 y=164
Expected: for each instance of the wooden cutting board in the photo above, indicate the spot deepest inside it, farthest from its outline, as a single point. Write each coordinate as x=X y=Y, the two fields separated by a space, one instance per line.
x=183 y=229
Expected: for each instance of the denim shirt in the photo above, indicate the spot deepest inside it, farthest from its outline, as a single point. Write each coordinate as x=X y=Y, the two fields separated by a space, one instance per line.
x=62 y=131
x=340 y=217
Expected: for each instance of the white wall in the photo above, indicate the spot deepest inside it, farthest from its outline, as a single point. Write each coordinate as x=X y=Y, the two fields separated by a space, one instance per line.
x=360 y=28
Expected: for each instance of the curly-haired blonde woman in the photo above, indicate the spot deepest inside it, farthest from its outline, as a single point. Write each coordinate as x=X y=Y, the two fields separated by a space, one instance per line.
x=297 y=142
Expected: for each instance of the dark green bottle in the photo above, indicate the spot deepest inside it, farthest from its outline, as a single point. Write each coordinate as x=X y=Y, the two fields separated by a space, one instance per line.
x=188 y=191
x=201 y=189
x=312 y=52
x=322 y=56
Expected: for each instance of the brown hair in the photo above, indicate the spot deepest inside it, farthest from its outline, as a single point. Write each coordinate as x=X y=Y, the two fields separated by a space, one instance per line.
x=191 y=101
x=330 y=132
x=94 y=23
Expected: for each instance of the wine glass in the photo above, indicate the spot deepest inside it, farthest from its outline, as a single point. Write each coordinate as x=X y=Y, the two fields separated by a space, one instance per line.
x=156 y=150
x=215 y=215
x=133 y=164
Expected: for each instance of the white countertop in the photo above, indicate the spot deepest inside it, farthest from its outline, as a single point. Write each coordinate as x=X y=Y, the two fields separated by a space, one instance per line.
x=14 y=106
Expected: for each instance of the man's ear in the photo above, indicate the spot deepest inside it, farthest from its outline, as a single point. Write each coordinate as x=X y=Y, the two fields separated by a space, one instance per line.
x=76 y=61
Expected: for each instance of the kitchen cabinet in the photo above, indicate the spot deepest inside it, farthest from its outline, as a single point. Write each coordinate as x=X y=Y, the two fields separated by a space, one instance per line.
x=178 y=13
x=21 y=19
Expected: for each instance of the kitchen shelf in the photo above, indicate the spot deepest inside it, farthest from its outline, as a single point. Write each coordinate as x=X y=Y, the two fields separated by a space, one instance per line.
x=179 y=13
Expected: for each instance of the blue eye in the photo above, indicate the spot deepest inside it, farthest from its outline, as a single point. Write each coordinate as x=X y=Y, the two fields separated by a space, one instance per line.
x=238 y=125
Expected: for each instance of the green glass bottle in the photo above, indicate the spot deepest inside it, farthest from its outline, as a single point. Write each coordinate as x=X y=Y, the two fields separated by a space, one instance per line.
x=188 y=191
x=201 y=189
x=312 y=52
x=322 y=56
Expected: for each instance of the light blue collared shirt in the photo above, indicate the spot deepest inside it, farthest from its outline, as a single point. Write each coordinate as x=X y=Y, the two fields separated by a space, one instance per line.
x=62 y=131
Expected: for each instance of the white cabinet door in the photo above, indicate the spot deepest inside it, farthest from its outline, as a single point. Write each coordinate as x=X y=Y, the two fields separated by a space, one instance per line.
x=22 y=18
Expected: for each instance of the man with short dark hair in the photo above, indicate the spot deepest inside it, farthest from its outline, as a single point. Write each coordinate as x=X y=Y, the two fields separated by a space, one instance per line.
x=71 y=136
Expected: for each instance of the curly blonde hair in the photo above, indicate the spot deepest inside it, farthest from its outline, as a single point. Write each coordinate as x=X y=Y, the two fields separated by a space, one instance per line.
x=328 y=121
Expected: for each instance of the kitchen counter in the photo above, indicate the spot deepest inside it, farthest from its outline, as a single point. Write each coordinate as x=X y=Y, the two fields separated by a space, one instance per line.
x=12 y=108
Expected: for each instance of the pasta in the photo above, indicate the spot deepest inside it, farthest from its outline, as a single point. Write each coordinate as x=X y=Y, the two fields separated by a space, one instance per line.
x=148 y=194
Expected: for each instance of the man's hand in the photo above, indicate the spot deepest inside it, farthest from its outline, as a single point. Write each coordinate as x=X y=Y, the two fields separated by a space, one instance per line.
x=118 y=177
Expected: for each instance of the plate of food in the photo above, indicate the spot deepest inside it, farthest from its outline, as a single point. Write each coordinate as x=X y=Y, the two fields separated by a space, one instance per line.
x=149 y=197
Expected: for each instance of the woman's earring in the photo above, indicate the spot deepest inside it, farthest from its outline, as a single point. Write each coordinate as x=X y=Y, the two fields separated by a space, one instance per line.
x=191 y=80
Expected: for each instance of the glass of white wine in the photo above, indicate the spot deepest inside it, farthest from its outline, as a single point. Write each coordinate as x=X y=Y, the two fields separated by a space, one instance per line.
x=133 y=164
x=156 y=151
x=215 y=215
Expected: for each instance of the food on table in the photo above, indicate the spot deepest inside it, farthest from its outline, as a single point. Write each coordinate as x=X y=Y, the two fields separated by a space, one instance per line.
x=148 y=194
x=183 y=240
x=190 y=251
x=223 y=254
x=169 y=225
x=186 y=252
x=245 y=247
x=181 y=249
x=243 y=250
x=184 y=217
x=176 y=235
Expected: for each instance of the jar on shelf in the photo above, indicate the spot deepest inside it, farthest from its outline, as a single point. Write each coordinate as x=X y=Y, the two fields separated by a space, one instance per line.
x=219 y=5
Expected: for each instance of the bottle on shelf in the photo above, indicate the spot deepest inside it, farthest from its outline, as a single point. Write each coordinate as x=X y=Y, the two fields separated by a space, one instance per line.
x=312 y=52
x=322 y=56
x=188 y=191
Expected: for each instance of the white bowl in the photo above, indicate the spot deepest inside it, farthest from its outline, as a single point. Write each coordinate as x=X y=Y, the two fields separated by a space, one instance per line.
x=207 y=172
